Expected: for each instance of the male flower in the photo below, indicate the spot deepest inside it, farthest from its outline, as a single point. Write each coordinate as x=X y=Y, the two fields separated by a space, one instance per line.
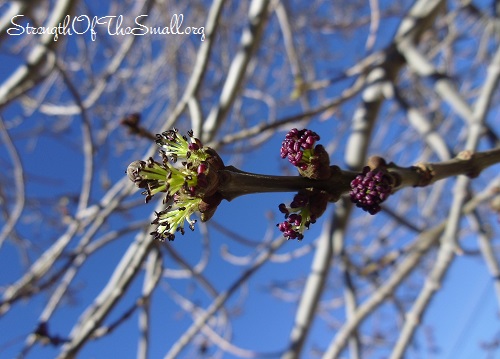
x=298 y=147
x=370 y=188
x=311 y=160
x=306 y=207
x=189 y=188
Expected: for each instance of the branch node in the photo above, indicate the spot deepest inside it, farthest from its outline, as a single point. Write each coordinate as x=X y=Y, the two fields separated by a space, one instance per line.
x=425 y=173
x=468 y=156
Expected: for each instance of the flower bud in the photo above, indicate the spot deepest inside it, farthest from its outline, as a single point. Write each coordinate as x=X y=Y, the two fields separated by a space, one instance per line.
x=370 y=188
x=190 y=188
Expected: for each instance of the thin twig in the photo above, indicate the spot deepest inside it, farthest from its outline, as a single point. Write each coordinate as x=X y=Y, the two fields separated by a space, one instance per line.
x=19 y=185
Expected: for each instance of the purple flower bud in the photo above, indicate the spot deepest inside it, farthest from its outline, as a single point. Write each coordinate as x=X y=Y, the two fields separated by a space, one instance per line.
x=283 y=209
x=299 y=200
x=370 y=188
x=305 y=208
x=202 y=168
x=294 y=145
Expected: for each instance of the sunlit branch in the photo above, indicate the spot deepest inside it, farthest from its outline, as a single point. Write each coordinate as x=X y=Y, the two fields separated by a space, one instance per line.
x=211 y=334
x=221 y=299
x=449 y=241
x=19 y=184
x=40 y=61
x=249 y=42
x=421 y=244
x=201 y=63
x=153 y=275
x=237 y=183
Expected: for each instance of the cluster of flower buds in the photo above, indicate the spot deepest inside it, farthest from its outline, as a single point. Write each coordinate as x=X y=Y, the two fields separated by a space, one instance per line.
x=311 y=160
x=191 y=176
x=189 y=188
x=370 y=188
x=298 y=147
x=306 y=207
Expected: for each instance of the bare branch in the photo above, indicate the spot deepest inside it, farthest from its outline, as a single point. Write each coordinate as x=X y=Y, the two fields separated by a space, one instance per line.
x=249 y=42
x=40 y=61
x=19 y=184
